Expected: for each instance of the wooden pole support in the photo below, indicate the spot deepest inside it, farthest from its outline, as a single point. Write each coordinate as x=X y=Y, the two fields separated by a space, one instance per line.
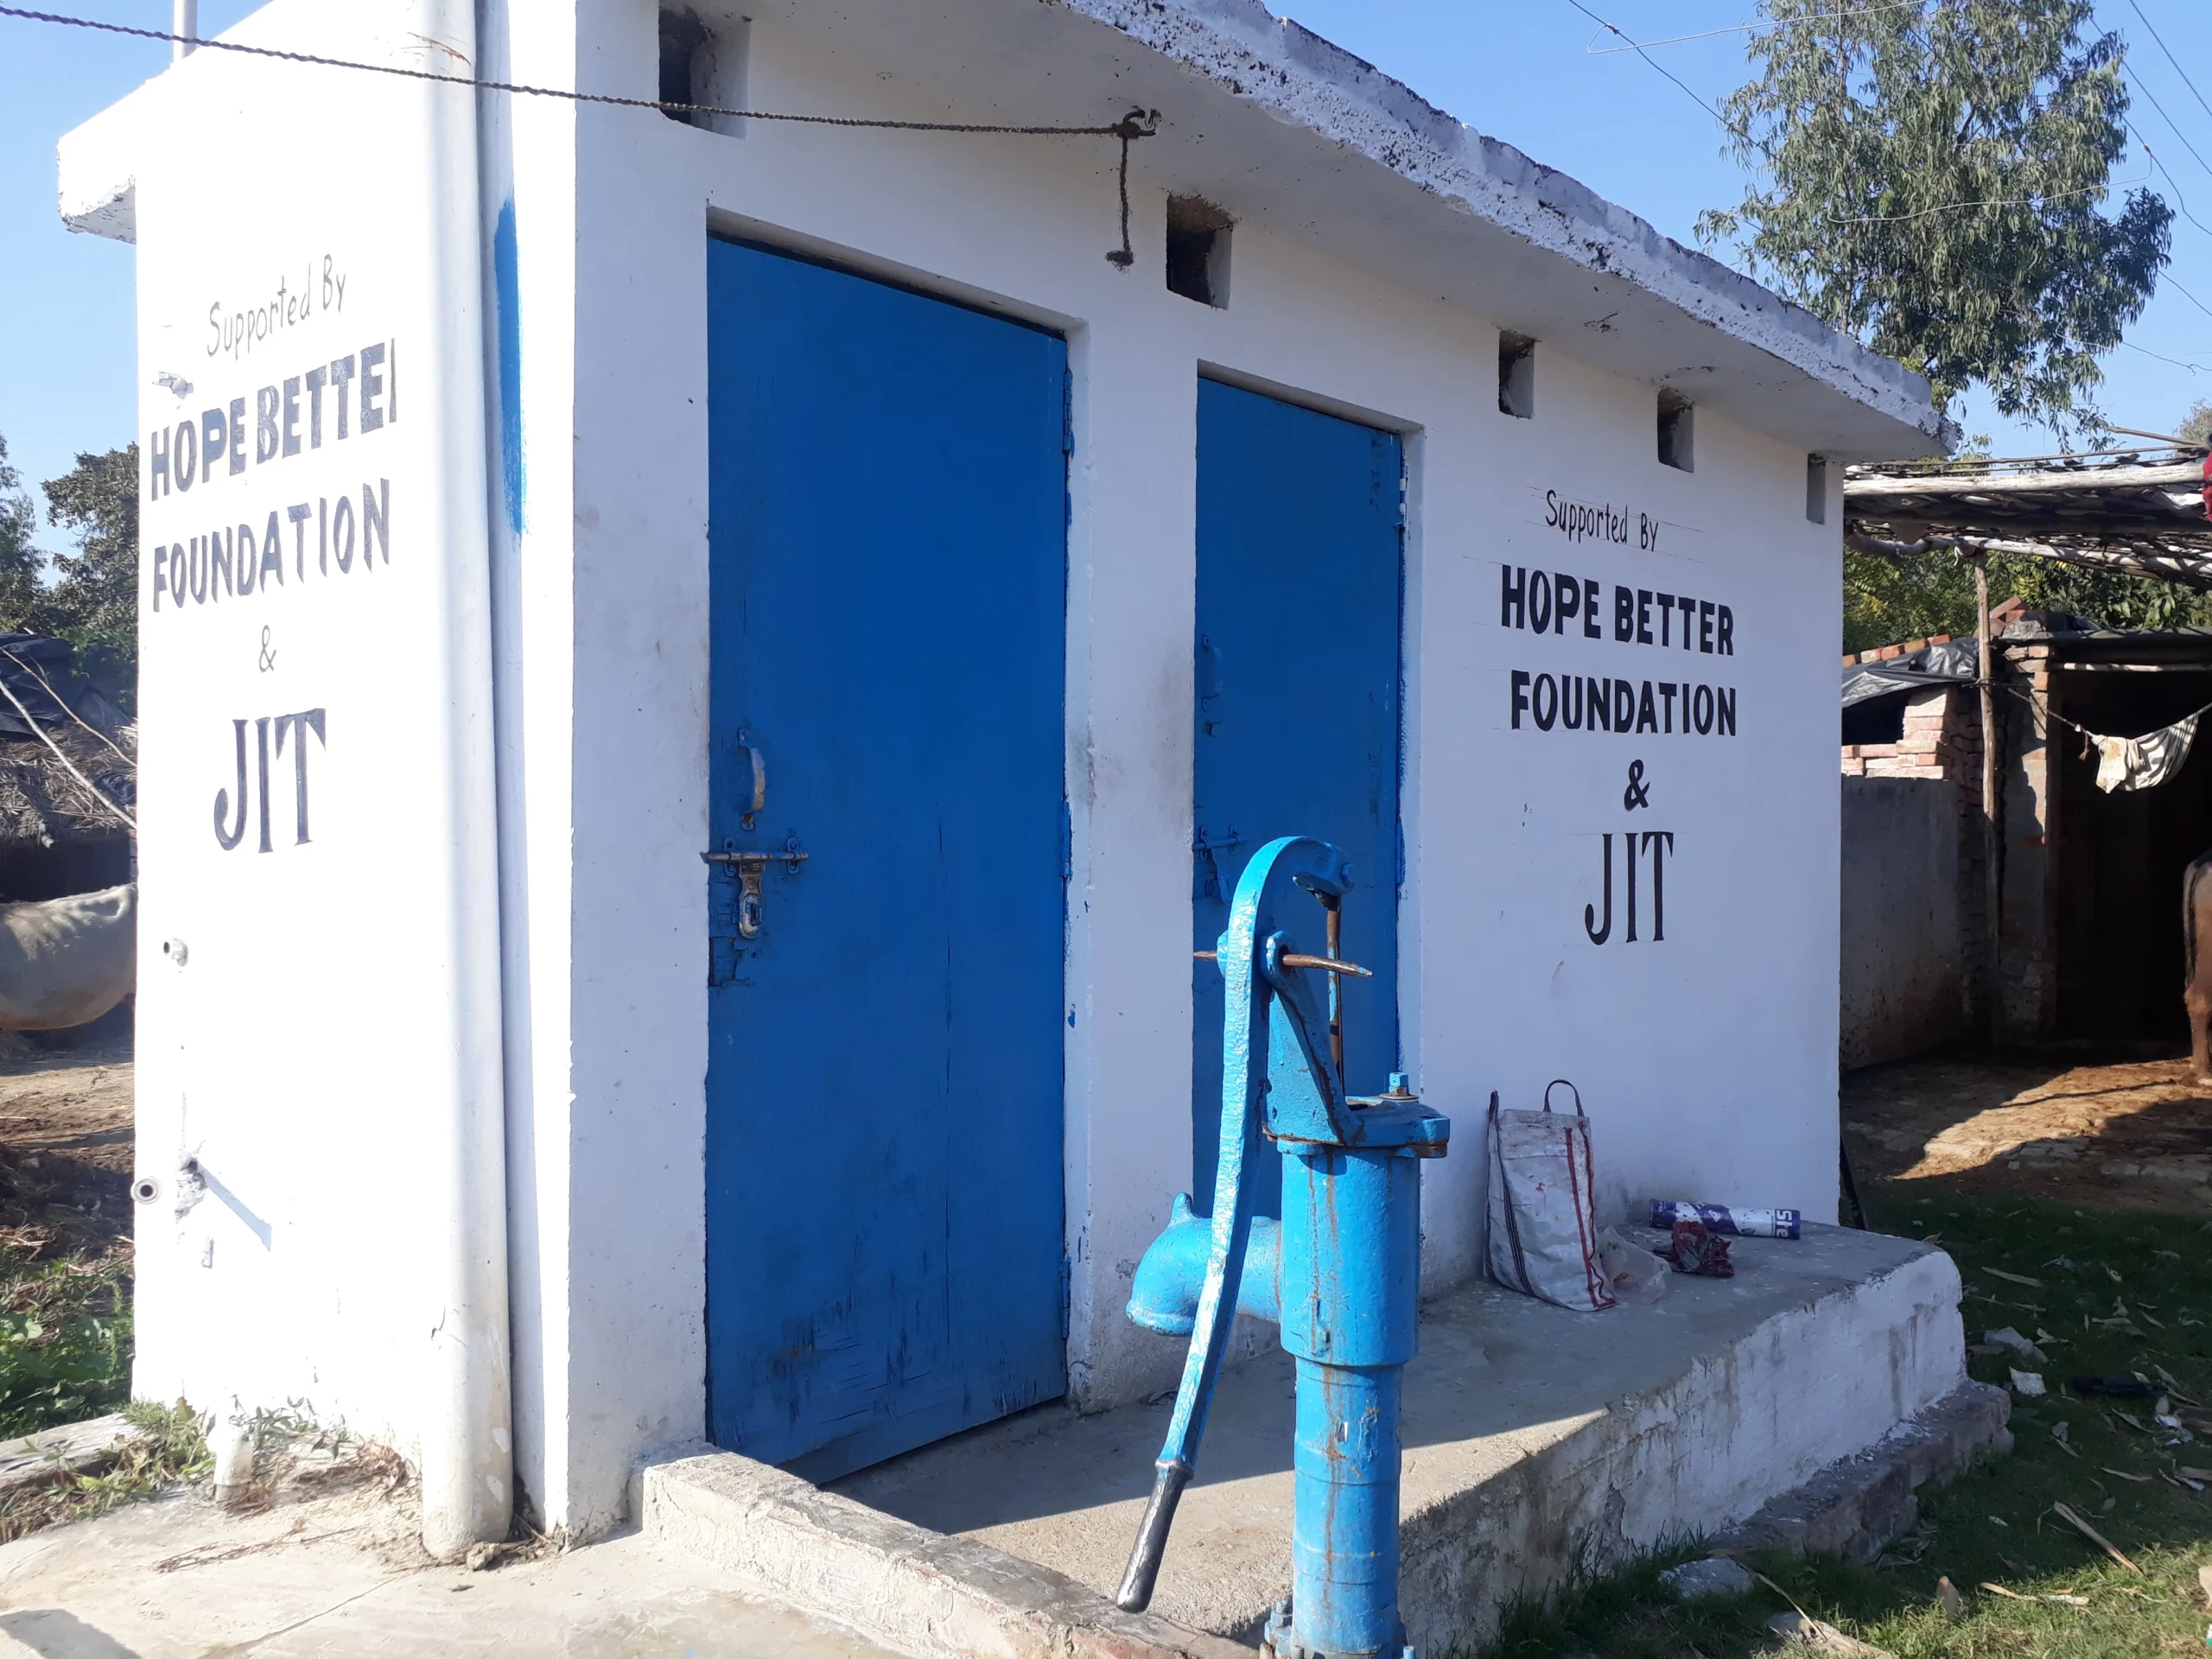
x=1991 y=881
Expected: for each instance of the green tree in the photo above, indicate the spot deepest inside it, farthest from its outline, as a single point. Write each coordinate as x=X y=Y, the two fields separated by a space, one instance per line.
x=2196 y=425
x=1928 y=178
x=94 y=599
x=19 y=559
x=1886 y=601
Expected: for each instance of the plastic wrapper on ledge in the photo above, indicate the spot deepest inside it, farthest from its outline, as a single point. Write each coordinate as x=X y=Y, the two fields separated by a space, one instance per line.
x=1721 y=1218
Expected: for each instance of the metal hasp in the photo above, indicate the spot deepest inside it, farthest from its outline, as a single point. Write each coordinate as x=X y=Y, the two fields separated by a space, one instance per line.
x=749 y=867
x=1340 y=1272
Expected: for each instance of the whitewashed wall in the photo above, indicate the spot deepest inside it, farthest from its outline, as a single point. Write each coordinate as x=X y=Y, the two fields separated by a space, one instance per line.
x=1708 y=1060
x=319 y=1077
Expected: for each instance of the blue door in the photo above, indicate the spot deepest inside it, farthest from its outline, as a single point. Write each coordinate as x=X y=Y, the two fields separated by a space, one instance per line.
x=1300 y=585
x=888 y=530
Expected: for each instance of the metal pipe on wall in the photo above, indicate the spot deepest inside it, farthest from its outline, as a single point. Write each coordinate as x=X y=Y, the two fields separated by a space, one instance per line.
x=466 y=1436
x=184 y=19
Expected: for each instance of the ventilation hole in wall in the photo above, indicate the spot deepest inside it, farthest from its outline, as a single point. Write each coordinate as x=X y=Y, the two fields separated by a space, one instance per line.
x=1816 y=489
x=683 y=42
x=1516 y=376
x=1677 y=432
x=1876 y=720
x=1198 y=251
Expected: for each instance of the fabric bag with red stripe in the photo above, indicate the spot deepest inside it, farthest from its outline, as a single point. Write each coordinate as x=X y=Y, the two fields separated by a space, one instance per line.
x=1543 y=1222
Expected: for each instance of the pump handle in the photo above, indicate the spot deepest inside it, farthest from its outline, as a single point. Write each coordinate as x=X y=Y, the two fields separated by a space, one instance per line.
x=1260 y=984
x=1135 y=1593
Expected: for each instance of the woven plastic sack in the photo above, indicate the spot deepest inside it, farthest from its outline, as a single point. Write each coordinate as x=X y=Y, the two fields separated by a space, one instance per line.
x=1543 y=1223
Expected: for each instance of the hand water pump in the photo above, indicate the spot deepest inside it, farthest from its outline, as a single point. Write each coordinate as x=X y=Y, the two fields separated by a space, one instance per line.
x=1339 y=1273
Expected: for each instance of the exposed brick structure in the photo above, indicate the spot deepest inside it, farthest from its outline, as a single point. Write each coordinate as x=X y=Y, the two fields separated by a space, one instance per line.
x=2089 y=881
x=1943 y=741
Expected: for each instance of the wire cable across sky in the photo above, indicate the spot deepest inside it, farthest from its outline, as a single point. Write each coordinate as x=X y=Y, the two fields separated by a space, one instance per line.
x=2174 y=61
x=1134 y=126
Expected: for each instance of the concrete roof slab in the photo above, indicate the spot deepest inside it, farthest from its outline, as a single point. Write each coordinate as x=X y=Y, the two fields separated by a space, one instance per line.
x=1279 y=126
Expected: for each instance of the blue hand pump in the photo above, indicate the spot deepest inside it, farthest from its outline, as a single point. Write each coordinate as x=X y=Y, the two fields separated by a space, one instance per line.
x=1340 y=1272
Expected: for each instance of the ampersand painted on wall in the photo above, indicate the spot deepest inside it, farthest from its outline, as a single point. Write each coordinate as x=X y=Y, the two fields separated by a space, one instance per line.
x=1638 y=793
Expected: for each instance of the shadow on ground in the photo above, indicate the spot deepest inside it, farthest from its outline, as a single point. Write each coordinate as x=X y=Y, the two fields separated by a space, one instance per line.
x=2132 y=1134
x=54 y=1633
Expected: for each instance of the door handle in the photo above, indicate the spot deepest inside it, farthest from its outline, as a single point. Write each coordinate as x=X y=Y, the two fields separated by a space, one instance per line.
x=754 y=798
x=749 y=867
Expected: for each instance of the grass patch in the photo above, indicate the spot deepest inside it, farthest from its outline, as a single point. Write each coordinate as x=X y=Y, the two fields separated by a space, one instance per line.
x=2118 y=1294
x=65 y=1343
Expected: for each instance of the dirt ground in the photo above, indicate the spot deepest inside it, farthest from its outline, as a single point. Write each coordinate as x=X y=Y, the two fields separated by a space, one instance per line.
x=2131 y=1135
x=64 y=1150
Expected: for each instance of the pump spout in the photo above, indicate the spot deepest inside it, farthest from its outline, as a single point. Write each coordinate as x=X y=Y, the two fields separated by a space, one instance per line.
x=1164 y=1297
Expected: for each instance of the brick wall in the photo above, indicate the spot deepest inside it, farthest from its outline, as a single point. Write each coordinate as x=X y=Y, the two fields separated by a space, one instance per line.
x=1942 y=741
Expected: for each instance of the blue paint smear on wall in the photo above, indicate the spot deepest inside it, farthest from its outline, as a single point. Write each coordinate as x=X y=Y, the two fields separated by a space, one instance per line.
x=508 y=291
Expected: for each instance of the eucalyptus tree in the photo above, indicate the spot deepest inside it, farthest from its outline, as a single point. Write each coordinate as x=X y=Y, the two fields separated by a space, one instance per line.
x=94 y=599
x=20 y=561
x=1932 y=177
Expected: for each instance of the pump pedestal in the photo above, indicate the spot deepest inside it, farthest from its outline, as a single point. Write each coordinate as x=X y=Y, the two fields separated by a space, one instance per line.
x=1340 y=1272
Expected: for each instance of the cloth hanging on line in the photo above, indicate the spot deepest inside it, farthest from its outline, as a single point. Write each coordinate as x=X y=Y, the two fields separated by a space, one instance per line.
x=2128 y=763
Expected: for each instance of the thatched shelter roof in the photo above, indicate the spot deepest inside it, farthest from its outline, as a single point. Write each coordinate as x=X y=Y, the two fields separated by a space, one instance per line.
x=2142 y=510
x=68 y=752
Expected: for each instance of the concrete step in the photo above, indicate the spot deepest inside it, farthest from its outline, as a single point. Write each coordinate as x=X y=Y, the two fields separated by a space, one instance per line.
x=1798 y=1404
x=915 y=1591
x=1536 y=1438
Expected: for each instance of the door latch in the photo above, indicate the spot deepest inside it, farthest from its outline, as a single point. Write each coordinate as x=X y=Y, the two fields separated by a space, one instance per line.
x=749 y=867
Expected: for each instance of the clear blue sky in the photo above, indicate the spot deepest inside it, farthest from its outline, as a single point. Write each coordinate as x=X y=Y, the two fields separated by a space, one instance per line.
x=1521 y=72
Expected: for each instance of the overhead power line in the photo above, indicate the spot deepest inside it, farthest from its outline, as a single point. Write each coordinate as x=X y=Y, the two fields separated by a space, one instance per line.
x=2168 y=278
x=2194 y=368
x=2180 y=202
x=1744 y=28
x=2174 y=61
x=1994 y=201
x=2136 y=81
x=1636 y=47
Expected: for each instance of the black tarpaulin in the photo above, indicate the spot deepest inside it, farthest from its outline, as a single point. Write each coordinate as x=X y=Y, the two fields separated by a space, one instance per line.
x=1953 y=663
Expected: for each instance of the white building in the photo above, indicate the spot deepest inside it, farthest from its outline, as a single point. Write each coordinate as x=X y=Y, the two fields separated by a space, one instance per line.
x=597 y=490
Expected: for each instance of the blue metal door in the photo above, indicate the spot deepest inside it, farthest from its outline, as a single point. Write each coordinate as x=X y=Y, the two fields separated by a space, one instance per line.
x=888 y=530
x=1300 y=586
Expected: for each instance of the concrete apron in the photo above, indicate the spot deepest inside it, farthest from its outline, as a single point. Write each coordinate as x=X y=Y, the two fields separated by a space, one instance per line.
x=1796 y=1405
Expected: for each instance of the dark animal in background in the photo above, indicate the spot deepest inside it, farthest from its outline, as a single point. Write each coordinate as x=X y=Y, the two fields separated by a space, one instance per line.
x=2196 y=947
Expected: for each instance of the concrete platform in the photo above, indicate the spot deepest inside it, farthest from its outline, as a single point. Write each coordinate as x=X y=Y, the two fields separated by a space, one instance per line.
x=1537 y=1441
x=343 y=1577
